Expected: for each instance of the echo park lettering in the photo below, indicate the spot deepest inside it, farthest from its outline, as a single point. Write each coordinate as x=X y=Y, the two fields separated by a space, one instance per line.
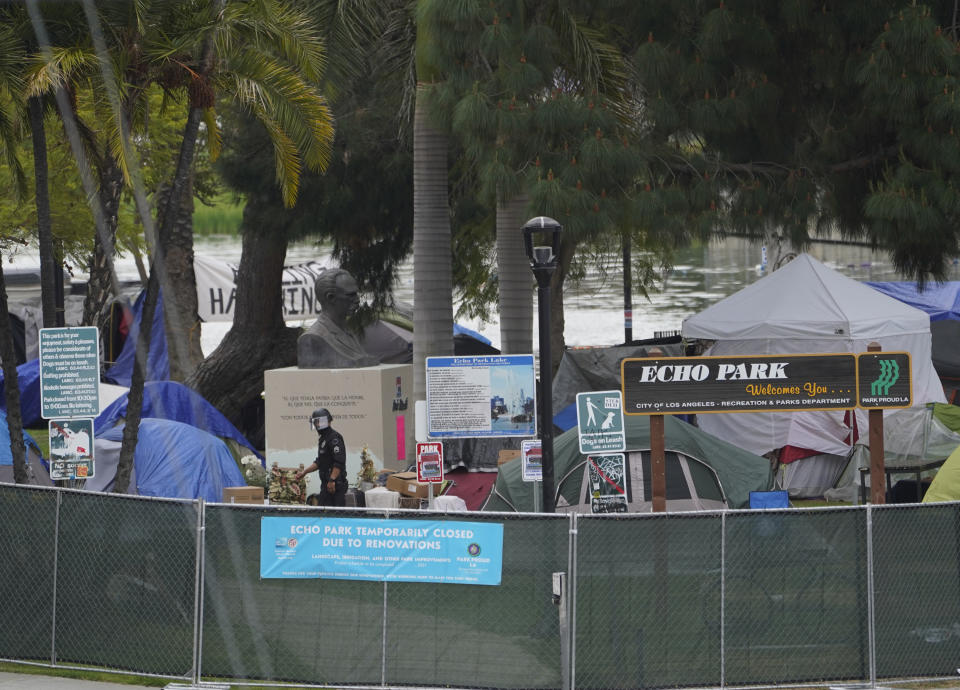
x=675 y=373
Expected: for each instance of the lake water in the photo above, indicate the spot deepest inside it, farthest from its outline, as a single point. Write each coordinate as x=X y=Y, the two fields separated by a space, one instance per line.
x=593 y=309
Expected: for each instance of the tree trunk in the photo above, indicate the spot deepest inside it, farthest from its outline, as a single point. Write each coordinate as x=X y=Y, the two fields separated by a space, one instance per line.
x=432 y=276
x=48 y=263
x=182 y=324
x=11 y=388
x=232 y=375
x=515 y=279
x=167 y=217
x=100 y=286
x=131 y=429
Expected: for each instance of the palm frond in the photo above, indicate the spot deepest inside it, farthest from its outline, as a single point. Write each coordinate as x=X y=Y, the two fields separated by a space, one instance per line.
x=291 y=102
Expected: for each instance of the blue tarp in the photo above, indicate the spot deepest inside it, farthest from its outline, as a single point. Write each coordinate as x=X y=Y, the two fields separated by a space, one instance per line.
x=6 y=455
x=28 y=381
x=174 y=401
x=940 y=300
x=158 y=366
x=177 y=460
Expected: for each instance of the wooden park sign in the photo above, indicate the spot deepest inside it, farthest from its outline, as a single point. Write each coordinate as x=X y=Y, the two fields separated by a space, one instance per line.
x=656 y=386
x=763 y=383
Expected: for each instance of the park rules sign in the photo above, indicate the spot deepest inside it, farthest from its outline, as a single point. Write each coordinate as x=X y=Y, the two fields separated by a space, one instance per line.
x=766 y=383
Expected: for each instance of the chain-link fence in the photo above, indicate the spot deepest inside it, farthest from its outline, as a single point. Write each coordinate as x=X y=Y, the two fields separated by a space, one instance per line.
x=173 y=588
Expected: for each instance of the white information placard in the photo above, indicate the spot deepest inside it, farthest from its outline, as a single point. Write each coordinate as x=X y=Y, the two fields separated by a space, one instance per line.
x=481 y=396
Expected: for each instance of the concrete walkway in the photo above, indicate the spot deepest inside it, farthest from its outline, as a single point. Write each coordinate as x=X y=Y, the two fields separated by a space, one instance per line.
x=31 y=681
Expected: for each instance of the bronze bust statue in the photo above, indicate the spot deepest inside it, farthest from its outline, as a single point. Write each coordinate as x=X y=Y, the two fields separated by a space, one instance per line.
x=327 y=344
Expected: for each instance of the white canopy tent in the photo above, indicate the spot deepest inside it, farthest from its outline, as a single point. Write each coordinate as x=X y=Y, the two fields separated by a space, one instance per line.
x=806 y=307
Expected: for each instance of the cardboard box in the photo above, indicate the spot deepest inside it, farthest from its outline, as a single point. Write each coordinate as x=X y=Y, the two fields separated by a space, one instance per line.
x=410 y=502
x=243 y=494
x=507 y=455
x=406 y=483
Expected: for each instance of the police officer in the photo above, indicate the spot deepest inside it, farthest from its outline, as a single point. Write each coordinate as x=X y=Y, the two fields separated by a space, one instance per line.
x=331 y=460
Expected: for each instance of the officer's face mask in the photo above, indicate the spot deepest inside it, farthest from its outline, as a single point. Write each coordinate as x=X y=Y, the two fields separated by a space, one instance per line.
x=320 y=423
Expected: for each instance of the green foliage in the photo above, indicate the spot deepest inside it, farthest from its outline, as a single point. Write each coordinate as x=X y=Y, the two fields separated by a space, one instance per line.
x=362 y=204
x=70 y=214
x=797 y=117
x=222 y=217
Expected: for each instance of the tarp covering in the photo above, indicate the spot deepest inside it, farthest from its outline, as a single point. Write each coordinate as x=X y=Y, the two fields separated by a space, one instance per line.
x=946 y=483
x=596 y=369
x=36 y=472
x=172 y=460
x=806 y=307
x=737 y=471
x=158 y=365
x=28 y=381
x=941 y=301
x=176 y=402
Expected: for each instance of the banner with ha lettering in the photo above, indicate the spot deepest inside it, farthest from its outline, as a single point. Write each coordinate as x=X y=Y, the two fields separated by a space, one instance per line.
x=217 y=289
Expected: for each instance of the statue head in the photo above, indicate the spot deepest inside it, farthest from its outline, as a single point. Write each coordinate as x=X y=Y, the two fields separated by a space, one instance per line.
x=337 y=294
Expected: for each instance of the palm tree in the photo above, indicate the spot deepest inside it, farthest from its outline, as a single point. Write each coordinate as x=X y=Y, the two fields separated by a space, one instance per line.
x=11 y=89
x=432 y=278
x=272 y=57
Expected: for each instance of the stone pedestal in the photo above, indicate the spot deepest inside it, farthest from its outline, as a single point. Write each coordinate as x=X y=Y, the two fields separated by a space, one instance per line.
x=369 y=407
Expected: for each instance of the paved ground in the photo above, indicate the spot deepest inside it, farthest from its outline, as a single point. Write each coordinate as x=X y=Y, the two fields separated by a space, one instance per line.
x=30 y=681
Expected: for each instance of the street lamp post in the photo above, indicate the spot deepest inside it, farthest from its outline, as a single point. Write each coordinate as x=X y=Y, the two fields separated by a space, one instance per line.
x=543 y=261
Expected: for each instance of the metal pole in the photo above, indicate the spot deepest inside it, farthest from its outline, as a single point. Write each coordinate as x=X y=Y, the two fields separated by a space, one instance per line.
x=723 y=599
x=383 y=637
x=572 y=599
x=546 y=387
x=198 y=589
x=871 y=604
x=56 y=561
x=627 y=292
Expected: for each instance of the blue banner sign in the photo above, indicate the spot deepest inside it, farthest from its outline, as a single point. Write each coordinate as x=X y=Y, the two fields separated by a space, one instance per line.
x=469 y=553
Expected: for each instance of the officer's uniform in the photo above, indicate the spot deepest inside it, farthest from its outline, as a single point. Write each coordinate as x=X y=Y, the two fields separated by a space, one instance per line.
x=332 y=453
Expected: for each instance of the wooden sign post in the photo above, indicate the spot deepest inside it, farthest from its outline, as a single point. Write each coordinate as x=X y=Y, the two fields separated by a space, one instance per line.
x=658 y=472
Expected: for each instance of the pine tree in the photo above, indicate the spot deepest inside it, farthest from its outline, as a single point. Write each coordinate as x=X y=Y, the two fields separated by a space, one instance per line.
x=798 y=118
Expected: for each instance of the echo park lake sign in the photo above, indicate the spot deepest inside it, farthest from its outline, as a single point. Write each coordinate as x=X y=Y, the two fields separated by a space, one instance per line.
x=765 y=383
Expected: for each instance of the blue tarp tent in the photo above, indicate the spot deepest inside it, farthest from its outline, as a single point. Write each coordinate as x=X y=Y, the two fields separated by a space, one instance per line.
x=942 y=302
x=28 y=381
x=36 y=471
x=172 y=460
x=176 y=402
x=158 y=366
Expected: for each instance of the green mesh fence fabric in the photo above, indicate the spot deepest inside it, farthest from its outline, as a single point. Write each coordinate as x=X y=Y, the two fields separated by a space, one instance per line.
x=917 y=590
x=27 y=539
x=759 y=598
x=126 y=573
x=333 y=632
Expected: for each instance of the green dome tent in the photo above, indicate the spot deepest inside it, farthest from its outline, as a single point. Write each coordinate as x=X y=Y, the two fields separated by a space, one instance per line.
x=703 y=472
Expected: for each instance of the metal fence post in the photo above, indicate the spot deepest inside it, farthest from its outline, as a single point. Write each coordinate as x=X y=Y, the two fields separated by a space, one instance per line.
x=198 y=590
x=723 y=598
x=53 y=598
x=871 y=613
x=383 y=641
x=572 y=603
